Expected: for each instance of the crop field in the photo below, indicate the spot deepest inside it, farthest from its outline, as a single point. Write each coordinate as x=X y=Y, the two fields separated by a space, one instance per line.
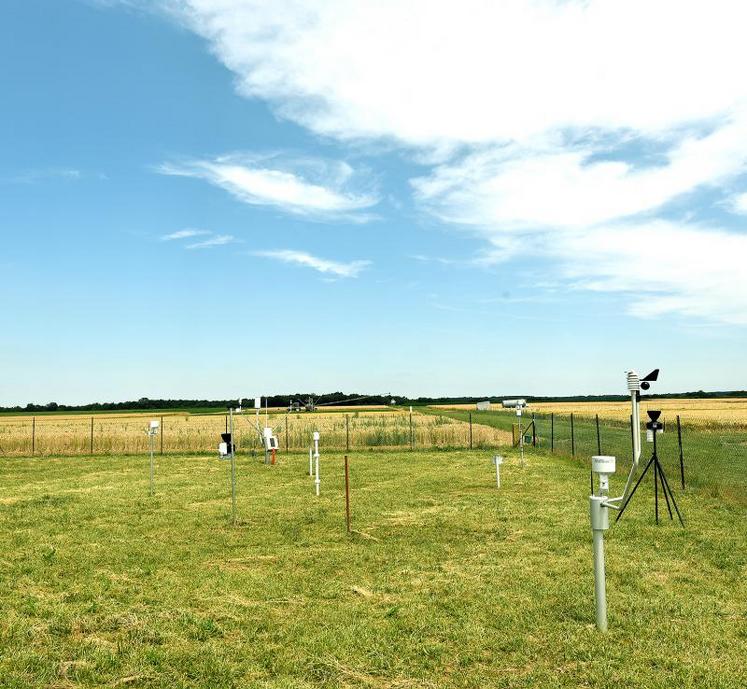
x=726 y=412
x=125 y=433
x=446 y=581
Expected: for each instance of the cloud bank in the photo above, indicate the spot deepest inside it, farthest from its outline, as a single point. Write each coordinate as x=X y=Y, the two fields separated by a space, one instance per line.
x=576 y=127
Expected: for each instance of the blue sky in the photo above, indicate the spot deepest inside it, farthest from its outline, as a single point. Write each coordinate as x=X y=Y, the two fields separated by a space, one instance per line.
x=212 y=199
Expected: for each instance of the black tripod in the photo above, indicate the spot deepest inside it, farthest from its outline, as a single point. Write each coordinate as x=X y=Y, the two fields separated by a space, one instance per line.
x=659 y=477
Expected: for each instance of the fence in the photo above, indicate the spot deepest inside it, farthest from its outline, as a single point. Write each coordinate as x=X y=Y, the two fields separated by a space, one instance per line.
x=180 y=433
x=712 y=457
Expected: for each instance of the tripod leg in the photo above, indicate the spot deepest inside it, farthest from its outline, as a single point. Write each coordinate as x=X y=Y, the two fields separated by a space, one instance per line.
x=664 y=490
x=674 y=502
x=656 y=488
x=632 y=492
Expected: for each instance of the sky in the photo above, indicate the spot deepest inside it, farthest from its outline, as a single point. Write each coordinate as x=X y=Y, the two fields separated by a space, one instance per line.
x=223 y=198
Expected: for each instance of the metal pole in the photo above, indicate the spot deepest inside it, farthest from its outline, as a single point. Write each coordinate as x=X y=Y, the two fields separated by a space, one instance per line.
x=573 y=438
x=534 y=430
x=233 y=473
x=599 y=439
x=162 y=435
x=150 y=443
x=347 y=495
x=286 y=432
x=600 y=588
x=311 y=462
x=552 y=432
x=682 y=457
x=470 y=430
x=521 y=442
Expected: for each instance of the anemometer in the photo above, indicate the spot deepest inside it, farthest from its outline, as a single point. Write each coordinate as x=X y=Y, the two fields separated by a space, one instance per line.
x=604 y=466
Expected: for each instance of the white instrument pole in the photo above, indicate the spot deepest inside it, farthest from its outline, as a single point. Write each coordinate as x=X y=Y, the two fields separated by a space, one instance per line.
x=317 y=481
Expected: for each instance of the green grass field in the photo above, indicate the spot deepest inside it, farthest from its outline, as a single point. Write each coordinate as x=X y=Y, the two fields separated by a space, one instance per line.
x=448 y=581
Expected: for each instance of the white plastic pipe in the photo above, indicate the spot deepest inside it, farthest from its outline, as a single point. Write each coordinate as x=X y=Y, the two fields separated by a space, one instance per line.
x=311 y=462
x=317 y=481
x=497 y=460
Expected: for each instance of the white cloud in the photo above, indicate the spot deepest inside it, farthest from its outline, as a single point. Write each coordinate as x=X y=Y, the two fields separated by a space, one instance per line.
x=304 y=187
x=183 y=234
x=529 y=117
x=323 y=265
x=739 y=204
x=217 y=240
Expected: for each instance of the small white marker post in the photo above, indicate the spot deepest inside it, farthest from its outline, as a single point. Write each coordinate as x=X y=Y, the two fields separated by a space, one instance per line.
x=497 y=460
x=152 y=432
x=316 y=460
x=599 y=512
x=311 y=462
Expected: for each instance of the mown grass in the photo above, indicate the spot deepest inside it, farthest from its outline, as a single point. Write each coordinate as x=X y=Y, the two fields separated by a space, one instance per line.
x=448 y=582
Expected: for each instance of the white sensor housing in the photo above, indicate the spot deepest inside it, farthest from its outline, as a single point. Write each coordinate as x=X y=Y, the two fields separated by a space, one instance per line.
x=604 y=465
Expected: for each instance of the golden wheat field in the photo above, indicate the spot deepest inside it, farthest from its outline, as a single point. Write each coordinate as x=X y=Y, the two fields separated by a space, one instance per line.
x=126 y=433
x=729 y=412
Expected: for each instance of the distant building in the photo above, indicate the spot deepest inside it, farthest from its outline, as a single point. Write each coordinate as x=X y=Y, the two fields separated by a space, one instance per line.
x=483 y=406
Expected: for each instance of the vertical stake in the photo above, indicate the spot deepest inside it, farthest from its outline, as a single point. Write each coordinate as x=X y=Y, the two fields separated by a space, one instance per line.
x=347 y=494
x=682 y=457
x=470 y=430
x=91 y=446
x=286 y=432
x=599 y=438
x=534 y=430
x=233 y=474
x=412 y=438
x=552 y=432
x=150 y=445
x=162 y=435
x=33 y=435
x=573 y=438
x=347 y=432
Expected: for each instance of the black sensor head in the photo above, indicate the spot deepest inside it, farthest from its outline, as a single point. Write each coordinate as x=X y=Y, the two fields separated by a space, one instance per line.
x=654 y=375
x=654 y=414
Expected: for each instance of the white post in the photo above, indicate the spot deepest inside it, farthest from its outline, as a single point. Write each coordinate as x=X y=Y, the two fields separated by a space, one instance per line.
x=311 y=462
x=316 y=459
x=521 y=435
x=602 y=465
x=497 y=460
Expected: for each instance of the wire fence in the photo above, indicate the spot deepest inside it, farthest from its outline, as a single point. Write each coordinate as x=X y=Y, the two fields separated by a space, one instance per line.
x=710 y=458
x=97 y=435
x=694 y=455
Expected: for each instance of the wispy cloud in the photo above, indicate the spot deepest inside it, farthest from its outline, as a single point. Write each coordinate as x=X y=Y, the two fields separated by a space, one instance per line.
x=183 y=234
x=42 y=174
x=343 y=270
x=217 y=240
x=739 y=204
x=308 y=187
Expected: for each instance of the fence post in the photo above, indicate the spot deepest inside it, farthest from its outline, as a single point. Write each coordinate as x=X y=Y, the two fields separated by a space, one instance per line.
x=552 y=432
x=91 y=448
x=347 y=432
x=33 y=435
x=534 y=430
x=599 y=440
x=682 y=458
x=162 y=435
x=573 y=438
x=347 y=495
x=470 y=430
